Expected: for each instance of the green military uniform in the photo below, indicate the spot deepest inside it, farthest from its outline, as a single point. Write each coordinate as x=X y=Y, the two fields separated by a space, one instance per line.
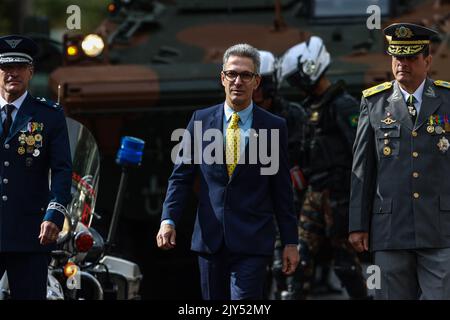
x=400 y=193
x=399 y=189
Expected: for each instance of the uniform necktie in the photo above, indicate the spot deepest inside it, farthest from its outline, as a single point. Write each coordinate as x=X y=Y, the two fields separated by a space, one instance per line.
x=233 y=144
x=411 y=108
x=8 y=109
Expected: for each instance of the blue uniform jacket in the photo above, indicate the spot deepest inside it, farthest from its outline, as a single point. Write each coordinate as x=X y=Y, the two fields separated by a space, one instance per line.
x=36 y=146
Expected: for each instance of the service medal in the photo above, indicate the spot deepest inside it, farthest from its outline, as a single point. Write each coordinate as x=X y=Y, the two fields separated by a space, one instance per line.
x=36 y=153
x=30 y=149
x=21 y=150
x=29 y=140
x=438 y=130
x=443 y=144
x=38 y=137
x=387 y=151
x=22 y=138
x=430 y=129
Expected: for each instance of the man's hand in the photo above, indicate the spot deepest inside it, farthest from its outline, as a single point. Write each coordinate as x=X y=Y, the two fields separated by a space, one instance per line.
x=165 y=239
x=49 y=233
x=359 y=241
x=290 y=259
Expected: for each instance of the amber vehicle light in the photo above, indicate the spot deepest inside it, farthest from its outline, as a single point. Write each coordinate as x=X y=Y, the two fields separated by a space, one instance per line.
x=72 y=51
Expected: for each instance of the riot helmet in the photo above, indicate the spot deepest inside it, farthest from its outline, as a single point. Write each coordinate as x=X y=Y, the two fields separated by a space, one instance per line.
x=267 y=73
x=303 y=64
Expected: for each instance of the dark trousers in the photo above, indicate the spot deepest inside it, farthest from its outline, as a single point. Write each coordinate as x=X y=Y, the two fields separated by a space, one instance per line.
x=27 y=274
x=414 y=274
x=227 y=275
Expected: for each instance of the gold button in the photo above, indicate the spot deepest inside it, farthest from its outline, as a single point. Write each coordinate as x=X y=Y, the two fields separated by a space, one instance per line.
x=386 y=134
x=415 y=174
x=414 y=133
x=416 y=195
x=415 y=154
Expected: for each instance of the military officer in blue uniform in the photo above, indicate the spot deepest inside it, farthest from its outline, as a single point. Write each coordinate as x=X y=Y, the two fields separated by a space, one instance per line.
x=35 y=173
x=400 y=191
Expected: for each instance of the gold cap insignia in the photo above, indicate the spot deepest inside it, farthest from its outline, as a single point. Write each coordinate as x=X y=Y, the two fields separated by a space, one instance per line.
x=403 y=32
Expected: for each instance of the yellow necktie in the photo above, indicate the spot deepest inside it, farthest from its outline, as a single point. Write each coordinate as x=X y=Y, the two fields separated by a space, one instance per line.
x=233 y=143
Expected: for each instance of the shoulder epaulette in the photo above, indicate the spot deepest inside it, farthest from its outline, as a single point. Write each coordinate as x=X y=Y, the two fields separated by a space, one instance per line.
x=442 y=83
x=375 y=89
x=49 y=103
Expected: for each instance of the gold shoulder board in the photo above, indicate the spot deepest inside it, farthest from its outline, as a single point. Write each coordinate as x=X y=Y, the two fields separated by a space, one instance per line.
x=442 y=83
x=375 y=89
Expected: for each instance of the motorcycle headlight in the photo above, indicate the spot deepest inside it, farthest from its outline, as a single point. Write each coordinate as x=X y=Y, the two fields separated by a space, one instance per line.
x=92 y=45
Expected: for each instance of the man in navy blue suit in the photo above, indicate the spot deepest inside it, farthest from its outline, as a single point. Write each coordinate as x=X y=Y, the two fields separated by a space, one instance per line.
x=33 y=143
x=239 y=199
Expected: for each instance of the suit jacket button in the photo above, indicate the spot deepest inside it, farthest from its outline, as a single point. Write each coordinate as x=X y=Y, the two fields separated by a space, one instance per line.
x=5 y=198
x=6 y=164
x=415 y=154
x=6 y=146
x=5 y=181
x=416 y=195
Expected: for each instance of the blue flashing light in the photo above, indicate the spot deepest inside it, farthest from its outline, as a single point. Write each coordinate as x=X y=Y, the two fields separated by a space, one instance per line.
x=130 y=152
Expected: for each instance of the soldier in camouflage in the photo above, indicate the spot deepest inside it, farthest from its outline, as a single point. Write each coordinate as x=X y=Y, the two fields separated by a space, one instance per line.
x=295 y=115
x=325 y=161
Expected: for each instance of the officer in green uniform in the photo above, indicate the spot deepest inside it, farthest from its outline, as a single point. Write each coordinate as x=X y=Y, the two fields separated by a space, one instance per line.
x=400 y=193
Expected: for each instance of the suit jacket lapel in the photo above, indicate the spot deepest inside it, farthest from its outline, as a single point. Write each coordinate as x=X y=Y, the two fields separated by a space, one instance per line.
x=216 y=122
x=23 y=116
x=430 y=103
x=397 y=107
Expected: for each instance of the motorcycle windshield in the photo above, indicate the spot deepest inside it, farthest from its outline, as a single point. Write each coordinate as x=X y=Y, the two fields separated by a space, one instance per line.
x=85 y=175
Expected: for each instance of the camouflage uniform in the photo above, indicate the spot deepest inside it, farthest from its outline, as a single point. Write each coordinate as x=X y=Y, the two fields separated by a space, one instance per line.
x=295 y=116
x=326 y=159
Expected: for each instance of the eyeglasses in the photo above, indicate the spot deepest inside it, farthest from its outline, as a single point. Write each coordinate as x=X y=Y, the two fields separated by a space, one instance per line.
x=245 y=76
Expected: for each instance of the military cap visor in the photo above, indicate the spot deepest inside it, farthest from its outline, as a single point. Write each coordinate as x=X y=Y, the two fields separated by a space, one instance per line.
x=407 y=39
x=17 y=49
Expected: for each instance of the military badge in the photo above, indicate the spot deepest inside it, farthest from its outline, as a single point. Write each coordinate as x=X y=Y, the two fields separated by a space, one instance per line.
x=403 y=32
x=438 y=130
x=353 y=120
x=443 y=145
x=388 y=121
x=36 y=153
x=430 y=92
x=21 y=150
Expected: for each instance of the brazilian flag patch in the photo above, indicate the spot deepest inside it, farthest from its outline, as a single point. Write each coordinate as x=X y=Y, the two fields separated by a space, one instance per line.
x=353 y=120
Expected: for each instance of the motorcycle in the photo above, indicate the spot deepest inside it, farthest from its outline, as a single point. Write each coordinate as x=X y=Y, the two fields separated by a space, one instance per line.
x=81 y=267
